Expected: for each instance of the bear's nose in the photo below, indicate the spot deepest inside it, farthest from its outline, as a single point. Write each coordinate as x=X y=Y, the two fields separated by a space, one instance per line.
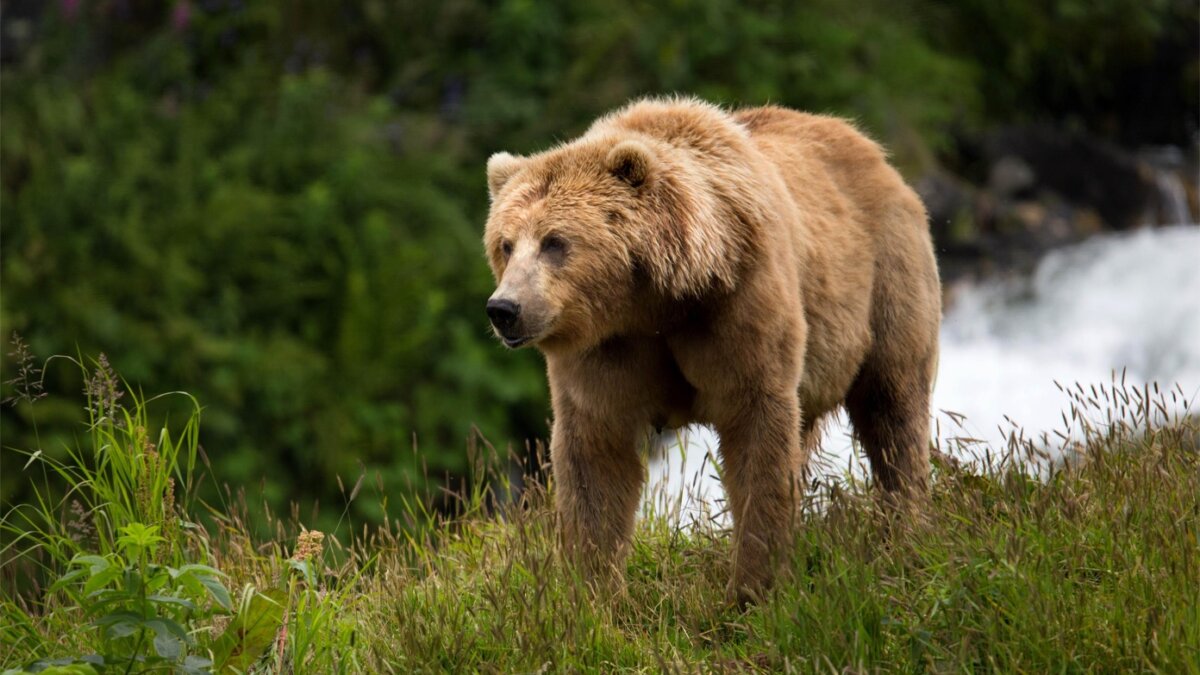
x=503 y=313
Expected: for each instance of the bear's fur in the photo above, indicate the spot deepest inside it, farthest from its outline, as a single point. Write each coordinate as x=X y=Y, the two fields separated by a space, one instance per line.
x=750 y=270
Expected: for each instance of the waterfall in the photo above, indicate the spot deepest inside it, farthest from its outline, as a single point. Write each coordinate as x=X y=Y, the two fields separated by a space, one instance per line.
x=1173 y=203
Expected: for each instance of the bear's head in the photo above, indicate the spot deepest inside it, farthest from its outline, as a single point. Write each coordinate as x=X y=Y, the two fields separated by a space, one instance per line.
x=585 y=239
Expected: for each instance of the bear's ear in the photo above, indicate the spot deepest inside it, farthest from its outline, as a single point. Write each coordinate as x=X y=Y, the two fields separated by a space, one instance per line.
x=630 y=161
x=500 y=167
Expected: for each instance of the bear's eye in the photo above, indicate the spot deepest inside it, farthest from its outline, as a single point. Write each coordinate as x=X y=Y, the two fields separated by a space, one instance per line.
x=555 y=247
x=506 y=248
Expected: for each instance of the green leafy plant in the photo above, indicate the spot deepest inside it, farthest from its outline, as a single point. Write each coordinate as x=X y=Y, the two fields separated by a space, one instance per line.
x=137 y=604
x=125 y=475
x=116 y=544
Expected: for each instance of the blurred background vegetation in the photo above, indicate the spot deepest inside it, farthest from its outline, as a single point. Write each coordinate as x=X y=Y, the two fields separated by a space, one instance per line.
x=277 y=205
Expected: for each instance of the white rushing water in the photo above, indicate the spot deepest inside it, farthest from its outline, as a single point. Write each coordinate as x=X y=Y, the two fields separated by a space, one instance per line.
x=1116 y=303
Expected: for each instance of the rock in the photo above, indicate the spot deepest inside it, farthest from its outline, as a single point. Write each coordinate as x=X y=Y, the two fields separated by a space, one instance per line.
x=1032 y=189
x=1030 y=215
x=1011 y=177
x=1087 y=222
x=947 y=200
x=1085 y=171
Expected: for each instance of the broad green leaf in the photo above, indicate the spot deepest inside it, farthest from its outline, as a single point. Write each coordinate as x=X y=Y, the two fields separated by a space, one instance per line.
x=169 y=638
x=120 y=629
x=201 y=569
x=218 y=591
x=60 y=667
x=100 y=579
x=97 y=563
x=109 y=619
x=250 y=633
x=171 y=600
x=168 y=646
x=155 y=580
x=196 y=665
x=306 y=570
x=66 y=579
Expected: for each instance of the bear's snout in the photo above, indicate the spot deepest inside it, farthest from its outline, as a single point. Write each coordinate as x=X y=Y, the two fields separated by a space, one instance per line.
x=504 y=315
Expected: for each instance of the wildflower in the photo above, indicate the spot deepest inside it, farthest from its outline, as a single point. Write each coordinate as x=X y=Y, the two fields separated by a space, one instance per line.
x=309 y=545
x=181 y=15
x=103 y=391
x=79 y=526
x=27 y=385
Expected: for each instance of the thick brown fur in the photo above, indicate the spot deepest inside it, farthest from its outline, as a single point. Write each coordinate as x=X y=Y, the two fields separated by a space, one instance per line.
x=751 y=270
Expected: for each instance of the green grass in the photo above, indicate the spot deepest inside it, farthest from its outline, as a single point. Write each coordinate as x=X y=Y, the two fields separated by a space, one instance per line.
x=1094 y=566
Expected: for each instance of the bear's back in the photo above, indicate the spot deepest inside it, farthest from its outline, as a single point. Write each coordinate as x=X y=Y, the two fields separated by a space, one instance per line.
x=832 y=167
x=682 y=122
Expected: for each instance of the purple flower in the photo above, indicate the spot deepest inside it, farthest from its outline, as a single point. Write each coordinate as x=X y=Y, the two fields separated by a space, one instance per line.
x=70 y=8
x=181 y=15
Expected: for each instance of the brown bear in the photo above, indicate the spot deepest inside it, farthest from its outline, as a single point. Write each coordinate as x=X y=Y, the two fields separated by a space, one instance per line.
x=751 y=270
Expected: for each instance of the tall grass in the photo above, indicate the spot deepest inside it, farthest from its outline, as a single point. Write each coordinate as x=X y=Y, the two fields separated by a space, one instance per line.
x=1091 y=564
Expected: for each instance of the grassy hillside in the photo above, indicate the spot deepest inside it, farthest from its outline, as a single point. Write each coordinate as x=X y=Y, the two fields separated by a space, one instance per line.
x=1093 y=567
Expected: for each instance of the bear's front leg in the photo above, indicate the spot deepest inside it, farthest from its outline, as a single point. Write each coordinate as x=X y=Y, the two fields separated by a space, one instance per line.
x=760 y=452
x=598 y=478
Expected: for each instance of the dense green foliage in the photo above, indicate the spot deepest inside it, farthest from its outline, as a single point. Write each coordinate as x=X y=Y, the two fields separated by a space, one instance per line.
x=277 y=205
x=1095 y=567
x=1122 y=69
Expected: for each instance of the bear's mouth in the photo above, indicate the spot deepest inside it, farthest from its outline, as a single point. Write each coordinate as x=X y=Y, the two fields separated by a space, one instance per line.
x=513 y=343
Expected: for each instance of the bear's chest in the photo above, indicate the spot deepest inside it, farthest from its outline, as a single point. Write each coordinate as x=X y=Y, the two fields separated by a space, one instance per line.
x=637 y=377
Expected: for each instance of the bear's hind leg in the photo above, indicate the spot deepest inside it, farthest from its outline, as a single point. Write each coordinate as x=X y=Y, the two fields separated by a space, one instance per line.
x=889 y=409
